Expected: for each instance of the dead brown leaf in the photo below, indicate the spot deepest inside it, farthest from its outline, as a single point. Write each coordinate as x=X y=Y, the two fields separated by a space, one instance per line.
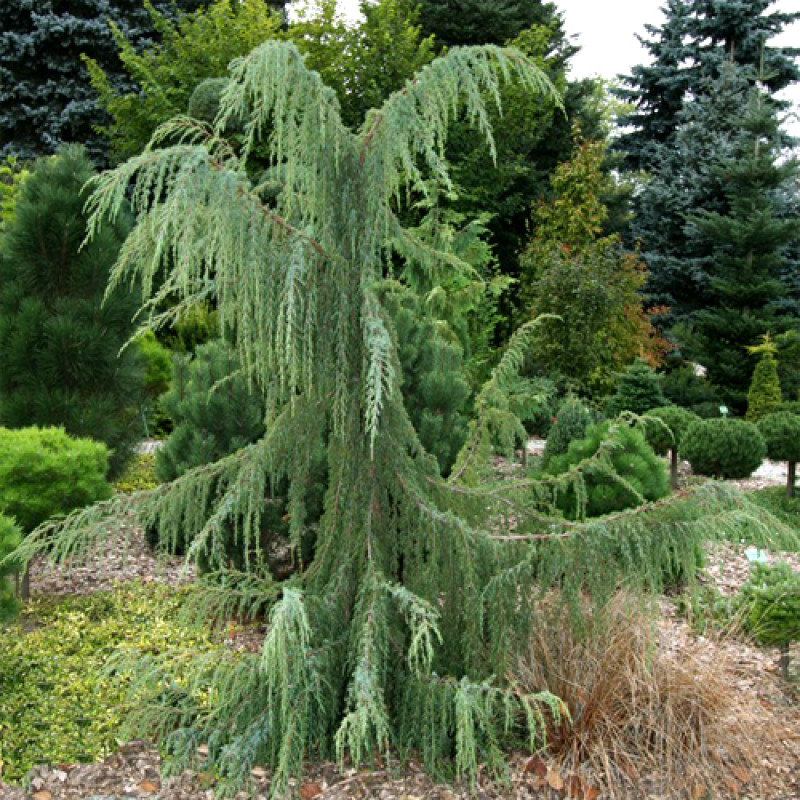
x=555 y=780
x=149 y=787
x=536 y=766
x=308 y=791
x=43 y=795
x=741 y=774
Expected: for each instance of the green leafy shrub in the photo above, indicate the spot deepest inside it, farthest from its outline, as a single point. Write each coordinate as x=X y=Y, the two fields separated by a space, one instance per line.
x=46 y=473
x=781 y=432
x=666 y=434
x=139 y=474
x=638 y=390
x=790 y=407
x=60 y=703
x=683 y=387
x=624 y=472
x=10 y=537
x=724 y=448
x=770 y=605
x=709 y=409
x=764 y=395
x=571 y=422
x=157 y=362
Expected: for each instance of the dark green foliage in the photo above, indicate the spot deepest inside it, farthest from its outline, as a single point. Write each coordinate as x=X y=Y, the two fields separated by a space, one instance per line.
x=764 y=395
x=435 y=388
x=45 y=473
x=625 y=473
x=665 y=434
x=571 y=421
x=214 y=411
x=465 y=22
x=45 y=96
x=770 y=607
x=683 y=387
x=669 y=435
x=59 y=336
x=10 y=539
x=781 y=432
x=638 y=390
x=709 y=409
x=157 y=366
x=724 y=448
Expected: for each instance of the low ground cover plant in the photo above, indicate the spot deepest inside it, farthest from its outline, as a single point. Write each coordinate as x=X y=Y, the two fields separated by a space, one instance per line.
x=10 y=537
x=60 y=702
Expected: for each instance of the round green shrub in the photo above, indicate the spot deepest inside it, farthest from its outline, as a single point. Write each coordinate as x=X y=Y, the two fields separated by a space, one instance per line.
x=669 y=435
x=10 y=538
x=630 y=458
x=724 y=448
x=571 y=422
x=781 y=432
x=45 y=473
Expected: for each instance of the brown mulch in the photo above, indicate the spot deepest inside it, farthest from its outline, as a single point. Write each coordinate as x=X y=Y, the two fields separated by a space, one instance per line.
x=134 y=770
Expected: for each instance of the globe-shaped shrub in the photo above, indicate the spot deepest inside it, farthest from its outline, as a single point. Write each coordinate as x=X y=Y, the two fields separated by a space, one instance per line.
x=643 y=474
x=724 y=448
x=665 y=433
x=781 y=432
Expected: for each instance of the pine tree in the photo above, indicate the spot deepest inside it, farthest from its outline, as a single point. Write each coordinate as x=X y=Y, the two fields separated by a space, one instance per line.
x=45 y=96
x=59 y=341
x=400 y=631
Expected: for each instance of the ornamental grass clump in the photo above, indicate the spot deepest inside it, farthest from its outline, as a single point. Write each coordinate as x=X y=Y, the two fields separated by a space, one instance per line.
x=724 y=448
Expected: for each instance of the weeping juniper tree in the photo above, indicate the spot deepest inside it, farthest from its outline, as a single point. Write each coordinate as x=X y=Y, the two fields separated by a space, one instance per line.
x=388 y=638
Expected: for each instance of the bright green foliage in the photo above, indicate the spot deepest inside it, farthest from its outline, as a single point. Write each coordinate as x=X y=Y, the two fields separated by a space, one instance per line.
x=770 y=607
x=214 y=411
x=192 y=48
x=61 y=703
x=781 y=432
x=638 y=390
x=139 y=474
x=11 y=178
x=621 y=471
x=764 y=396
x=60 y=336
x=401 y=630
x=724 y=448
x=157 y=363
x=570 y=424
x=10 y=539
x=45 y=473
x=435 y=389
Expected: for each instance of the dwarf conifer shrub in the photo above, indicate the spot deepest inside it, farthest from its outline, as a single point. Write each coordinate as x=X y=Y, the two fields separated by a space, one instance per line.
x=10 y=539
x=770 y=606
x=764 y=395
x=781 y=432
x=666 y=432
x=621 y=471
x=572 y=420
x=724 y=448
x=638 y=390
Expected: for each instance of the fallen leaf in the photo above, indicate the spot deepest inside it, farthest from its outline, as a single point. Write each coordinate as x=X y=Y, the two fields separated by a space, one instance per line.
x=202 y=750
x=149 y=787
x=43 y=795
x=732 y=785
x=574 y=787
x=536 y=766
x=555 y=780
x=259 y=772
x=741 y=774
x=591 y=792
x=698 y=791
x=308 y=791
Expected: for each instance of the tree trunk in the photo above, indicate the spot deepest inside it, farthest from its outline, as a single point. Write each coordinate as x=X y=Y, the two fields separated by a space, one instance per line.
x=790 y=478
x=673 y=468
